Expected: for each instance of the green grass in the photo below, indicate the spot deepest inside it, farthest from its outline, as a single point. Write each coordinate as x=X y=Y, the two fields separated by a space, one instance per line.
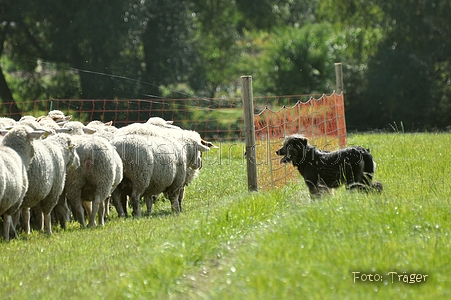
x=231 y=244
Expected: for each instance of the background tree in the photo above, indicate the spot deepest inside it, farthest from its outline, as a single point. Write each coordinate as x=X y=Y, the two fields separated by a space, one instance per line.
x=396 y=54
x=409 y=75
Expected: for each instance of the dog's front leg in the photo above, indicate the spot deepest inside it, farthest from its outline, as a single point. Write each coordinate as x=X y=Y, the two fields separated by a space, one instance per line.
x=313 y=188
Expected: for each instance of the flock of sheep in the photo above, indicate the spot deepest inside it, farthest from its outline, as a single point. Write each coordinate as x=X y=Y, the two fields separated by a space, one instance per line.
x=51 y=165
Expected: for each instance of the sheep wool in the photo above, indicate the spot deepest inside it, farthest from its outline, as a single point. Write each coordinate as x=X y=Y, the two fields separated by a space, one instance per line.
x=16 y=152
x=6 y=122
x=154 y=165
x=94 y=179
x=78 y=128
x=46 y=175
x=192 y=146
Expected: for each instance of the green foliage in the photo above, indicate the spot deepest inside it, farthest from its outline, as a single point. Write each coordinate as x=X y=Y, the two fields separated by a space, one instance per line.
x=298 y=61
x=231 y=244
x=403 y=74
x=354 y=13
x=46 y=81
x=395 y=53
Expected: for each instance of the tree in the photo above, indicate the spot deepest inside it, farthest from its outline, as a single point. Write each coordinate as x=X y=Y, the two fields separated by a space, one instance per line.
x=10 y=19
x=406 y=76
x=298 y=61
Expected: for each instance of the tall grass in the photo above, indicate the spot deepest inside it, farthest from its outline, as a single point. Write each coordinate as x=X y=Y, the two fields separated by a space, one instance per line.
x=231 y=244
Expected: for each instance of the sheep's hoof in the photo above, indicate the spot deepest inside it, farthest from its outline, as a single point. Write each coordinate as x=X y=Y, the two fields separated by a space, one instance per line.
x=137 y=215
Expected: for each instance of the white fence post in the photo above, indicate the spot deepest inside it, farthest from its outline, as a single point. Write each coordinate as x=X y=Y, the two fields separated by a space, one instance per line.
x=249 y=133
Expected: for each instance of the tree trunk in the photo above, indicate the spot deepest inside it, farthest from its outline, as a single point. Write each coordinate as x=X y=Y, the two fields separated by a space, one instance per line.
x=5 y=92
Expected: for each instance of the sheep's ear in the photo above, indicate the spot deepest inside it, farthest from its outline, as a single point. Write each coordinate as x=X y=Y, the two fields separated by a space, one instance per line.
x=46 y=133
x=109 y=123
x=67 y=118
x=208 y=144
x=4 y=131
x=202 y=148
x=35 y=134
x=169 y=122
x=63 y=130
x=61 y=123
x=88 y=130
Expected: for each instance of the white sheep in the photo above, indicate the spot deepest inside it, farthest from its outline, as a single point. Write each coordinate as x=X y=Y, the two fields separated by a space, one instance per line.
x=7 y=122
x=154 y=165
x=46 y=175
x=16 y=152
x=141 y=160
x=95 y=179
x=58 y=116
x=107 y=126
x=78 y=128
x=157 y=121
x=33 y=124
x=52 y=126
x=97 y=129
x=27 y=118
x=105 y=130
x=118 y=177
x=186 y=137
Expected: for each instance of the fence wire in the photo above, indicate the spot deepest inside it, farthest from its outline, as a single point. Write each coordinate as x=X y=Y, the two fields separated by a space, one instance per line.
x=219 y=120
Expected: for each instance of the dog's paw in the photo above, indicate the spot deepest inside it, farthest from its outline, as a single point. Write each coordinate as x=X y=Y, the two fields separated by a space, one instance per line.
x=377 y=187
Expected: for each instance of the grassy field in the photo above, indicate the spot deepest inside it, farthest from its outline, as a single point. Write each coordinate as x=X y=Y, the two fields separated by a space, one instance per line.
x=231 y=244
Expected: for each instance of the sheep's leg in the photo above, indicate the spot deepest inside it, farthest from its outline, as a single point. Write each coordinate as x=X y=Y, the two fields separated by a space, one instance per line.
x=124 y=203
x=95 y=209
x=26 y=219
x=135 y=205
x=12 y=231
x=174 y=198
x=7 y=225
x=150 y=200
x=88 y=208
x=47 y=223
x=6 y=220
x=16 y=218
x=106 y=207
x=61 y=210
x=181 y=195
x=116 y=200
x=101 y=213
x=39 y=219
x=79 y=213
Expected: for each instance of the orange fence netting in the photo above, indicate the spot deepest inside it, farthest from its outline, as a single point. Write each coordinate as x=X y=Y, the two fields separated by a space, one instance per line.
x=321 y=120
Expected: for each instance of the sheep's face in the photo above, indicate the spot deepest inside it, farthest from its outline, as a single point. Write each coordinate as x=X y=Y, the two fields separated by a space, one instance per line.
x=20 y=139
x=74 y=159
x=196 y=161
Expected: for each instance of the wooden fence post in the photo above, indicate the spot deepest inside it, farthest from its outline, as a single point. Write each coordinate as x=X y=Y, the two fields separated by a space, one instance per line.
x=339 y=78
x=249 y=133
x=339 y=106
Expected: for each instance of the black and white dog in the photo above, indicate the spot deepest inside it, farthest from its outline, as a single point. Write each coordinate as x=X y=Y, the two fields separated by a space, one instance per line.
x=323 y=170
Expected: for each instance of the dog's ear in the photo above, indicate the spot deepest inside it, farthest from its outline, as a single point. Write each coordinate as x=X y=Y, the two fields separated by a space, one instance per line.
x=301 y=140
